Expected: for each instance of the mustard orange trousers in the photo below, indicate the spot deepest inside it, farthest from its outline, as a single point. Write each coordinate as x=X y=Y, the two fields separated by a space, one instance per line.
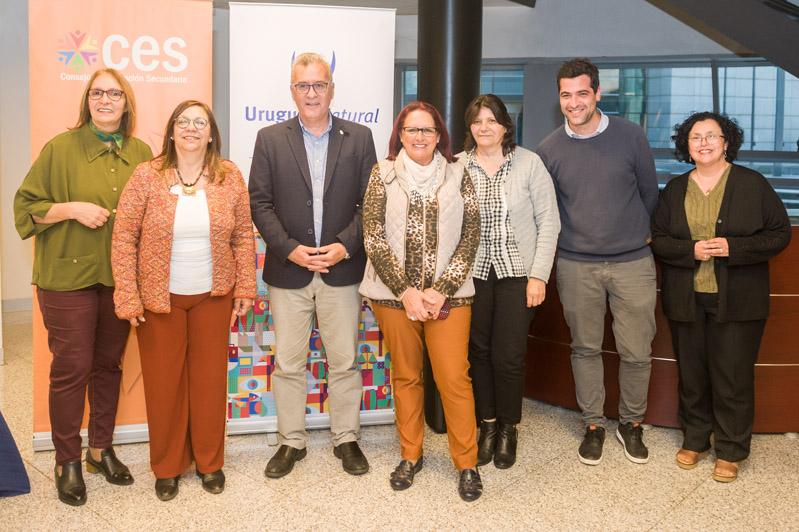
x=447 y=344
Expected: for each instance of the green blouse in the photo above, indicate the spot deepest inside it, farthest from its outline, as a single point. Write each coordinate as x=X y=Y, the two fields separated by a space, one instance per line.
x=702 y=212
x=74 y=166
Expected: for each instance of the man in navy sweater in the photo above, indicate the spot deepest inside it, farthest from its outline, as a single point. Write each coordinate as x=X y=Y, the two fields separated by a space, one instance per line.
x=607 y=188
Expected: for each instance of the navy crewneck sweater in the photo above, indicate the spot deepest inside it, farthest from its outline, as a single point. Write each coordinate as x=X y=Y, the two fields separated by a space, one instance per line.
x=607 y=190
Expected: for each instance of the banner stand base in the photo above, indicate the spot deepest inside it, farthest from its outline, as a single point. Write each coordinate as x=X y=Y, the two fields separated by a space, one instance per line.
x=42 y=441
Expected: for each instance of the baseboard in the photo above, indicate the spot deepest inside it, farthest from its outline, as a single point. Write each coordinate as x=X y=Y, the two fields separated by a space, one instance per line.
x=42 y=441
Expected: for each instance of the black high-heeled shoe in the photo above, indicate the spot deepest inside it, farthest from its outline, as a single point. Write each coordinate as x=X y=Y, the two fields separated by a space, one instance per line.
x=109 y=465
x=402 y=476
x=70 y=485
x=166 y=488
x=505 y=453
x=487 y=442
x=213 y=482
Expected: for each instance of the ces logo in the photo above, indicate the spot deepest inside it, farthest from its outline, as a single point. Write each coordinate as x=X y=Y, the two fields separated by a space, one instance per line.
x=146 y=53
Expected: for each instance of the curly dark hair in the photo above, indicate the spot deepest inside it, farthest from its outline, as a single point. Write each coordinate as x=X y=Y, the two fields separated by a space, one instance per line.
x=733 y=134
x=494 y=104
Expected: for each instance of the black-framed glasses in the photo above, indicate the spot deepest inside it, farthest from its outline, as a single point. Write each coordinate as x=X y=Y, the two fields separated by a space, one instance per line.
x=425 y=131
x=113 y=94
x=200 y=123
x=319 y=87
x=710 y=138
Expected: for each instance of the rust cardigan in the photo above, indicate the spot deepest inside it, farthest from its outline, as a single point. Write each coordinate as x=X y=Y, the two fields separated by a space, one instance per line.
x=141 y=246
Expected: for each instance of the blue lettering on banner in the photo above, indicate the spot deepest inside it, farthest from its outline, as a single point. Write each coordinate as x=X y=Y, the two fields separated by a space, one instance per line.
x=254 y=114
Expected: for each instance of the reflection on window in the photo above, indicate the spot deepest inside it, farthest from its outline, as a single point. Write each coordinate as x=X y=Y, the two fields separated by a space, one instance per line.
x=507 y=83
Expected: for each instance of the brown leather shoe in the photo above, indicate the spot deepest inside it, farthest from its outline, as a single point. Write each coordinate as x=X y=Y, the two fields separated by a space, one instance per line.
x=688 y=459
x=725 y=471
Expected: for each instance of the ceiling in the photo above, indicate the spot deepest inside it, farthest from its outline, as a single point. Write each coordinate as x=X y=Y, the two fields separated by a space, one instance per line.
x=403 y=7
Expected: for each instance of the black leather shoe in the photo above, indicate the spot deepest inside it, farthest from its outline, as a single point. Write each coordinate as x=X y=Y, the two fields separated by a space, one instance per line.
x=352 y=458
x=166 y=488
x=109 y=465
x=470 y=487
x=505 y=454
x=213 y=482
x=282 y=462
x=487 y=442
x=70 y=485
x=402 y=476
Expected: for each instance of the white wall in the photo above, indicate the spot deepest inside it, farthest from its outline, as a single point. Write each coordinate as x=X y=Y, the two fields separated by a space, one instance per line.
x=17 y=256
x=553 y=30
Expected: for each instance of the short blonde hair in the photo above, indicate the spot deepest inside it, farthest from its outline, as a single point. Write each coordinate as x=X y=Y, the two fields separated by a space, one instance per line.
x=128 y=123
x=309 y=58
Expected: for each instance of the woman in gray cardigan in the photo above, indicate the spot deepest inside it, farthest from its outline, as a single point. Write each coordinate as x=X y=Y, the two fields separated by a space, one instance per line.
x=519 y=233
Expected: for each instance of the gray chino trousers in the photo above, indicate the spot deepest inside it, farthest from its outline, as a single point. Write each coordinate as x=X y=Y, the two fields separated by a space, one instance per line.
x=585 y=290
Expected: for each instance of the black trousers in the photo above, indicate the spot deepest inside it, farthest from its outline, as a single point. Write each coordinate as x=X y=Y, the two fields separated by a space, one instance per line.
x=498 y=346
x=717 y=379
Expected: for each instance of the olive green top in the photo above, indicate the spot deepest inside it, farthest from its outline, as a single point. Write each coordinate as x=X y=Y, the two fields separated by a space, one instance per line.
x=74 y=166
x=702 y=212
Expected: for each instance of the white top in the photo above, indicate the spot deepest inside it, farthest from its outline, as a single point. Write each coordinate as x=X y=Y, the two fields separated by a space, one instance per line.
x=600 y=128
x=191 y=268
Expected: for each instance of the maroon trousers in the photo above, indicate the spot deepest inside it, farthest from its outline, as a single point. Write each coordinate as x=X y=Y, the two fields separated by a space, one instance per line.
x=87 y=341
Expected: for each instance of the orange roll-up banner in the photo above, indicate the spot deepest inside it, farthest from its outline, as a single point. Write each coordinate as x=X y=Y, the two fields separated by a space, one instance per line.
x=164 y=49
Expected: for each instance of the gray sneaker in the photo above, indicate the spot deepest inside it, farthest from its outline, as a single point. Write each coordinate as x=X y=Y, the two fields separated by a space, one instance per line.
x=590 y=451
x=632 y=438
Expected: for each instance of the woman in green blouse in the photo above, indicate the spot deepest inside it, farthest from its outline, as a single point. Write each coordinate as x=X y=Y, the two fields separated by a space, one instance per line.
x=68 y=201
x=713 y=231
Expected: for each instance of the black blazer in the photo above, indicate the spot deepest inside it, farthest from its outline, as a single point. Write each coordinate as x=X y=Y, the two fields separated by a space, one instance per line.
x=281 y=199
x=753 y=220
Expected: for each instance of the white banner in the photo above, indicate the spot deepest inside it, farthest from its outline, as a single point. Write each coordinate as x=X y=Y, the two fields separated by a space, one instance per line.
x=358 y=43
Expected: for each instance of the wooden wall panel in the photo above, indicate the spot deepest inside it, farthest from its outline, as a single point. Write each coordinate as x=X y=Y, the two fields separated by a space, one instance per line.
x=549 y=376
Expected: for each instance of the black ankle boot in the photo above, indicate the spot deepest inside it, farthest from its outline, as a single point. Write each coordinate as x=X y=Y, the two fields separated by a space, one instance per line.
x=505 y=454
x=487 y=442
x=70 y=485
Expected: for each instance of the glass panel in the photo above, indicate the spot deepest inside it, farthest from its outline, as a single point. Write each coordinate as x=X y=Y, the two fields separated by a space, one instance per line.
x=656 y=98
x=508 y=84
x=764 y=100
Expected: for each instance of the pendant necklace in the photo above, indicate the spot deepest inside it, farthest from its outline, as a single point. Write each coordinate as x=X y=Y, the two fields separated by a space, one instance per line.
x=188 y=188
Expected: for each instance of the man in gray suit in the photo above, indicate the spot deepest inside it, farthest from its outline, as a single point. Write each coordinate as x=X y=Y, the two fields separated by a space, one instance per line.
x=307 y=182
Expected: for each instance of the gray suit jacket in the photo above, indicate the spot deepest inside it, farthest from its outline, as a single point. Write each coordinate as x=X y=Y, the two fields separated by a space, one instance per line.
x=281 y=199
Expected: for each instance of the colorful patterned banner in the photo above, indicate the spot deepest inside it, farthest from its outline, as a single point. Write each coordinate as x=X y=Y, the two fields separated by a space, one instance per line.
x=251 y=362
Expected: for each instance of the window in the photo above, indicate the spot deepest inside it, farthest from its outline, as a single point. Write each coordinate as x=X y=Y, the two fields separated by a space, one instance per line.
x=507 y=83
x=764 y=99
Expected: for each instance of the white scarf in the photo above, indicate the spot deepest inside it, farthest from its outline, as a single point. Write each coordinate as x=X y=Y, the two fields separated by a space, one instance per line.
x=423 y=179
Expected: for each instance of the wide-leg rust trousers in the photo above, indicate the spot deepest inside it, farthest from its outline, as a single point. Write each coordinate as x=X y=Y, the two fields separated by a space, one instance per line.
x=184 y=365
x=447 y=344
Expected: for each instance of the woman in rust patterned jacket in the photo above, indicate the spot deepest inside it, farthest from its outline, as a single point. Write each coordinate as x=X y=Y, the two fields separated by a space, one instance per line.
x=183 y=257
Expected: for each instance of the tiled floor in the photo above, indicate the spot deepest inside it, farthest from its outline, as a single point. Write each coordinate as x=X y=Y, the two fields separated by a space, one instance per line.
x=548 y=489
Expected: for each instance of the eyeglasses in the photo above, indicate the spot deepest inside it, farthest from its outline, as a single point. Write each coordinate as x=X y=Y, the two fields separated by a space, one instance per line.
x=711 y=138
x=425 y=131
x=199 y=122
x=113 y=94
x=319 y=87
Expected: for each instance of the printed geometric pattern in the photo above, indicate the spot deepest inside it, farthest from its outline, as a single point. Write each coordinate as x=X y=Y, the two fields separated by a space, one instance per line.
x=251 y=361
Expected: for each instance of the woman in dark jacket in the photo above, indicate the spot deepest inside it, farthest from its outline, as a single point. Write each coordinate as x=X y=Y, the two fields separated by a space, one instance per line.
x=714 y=230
